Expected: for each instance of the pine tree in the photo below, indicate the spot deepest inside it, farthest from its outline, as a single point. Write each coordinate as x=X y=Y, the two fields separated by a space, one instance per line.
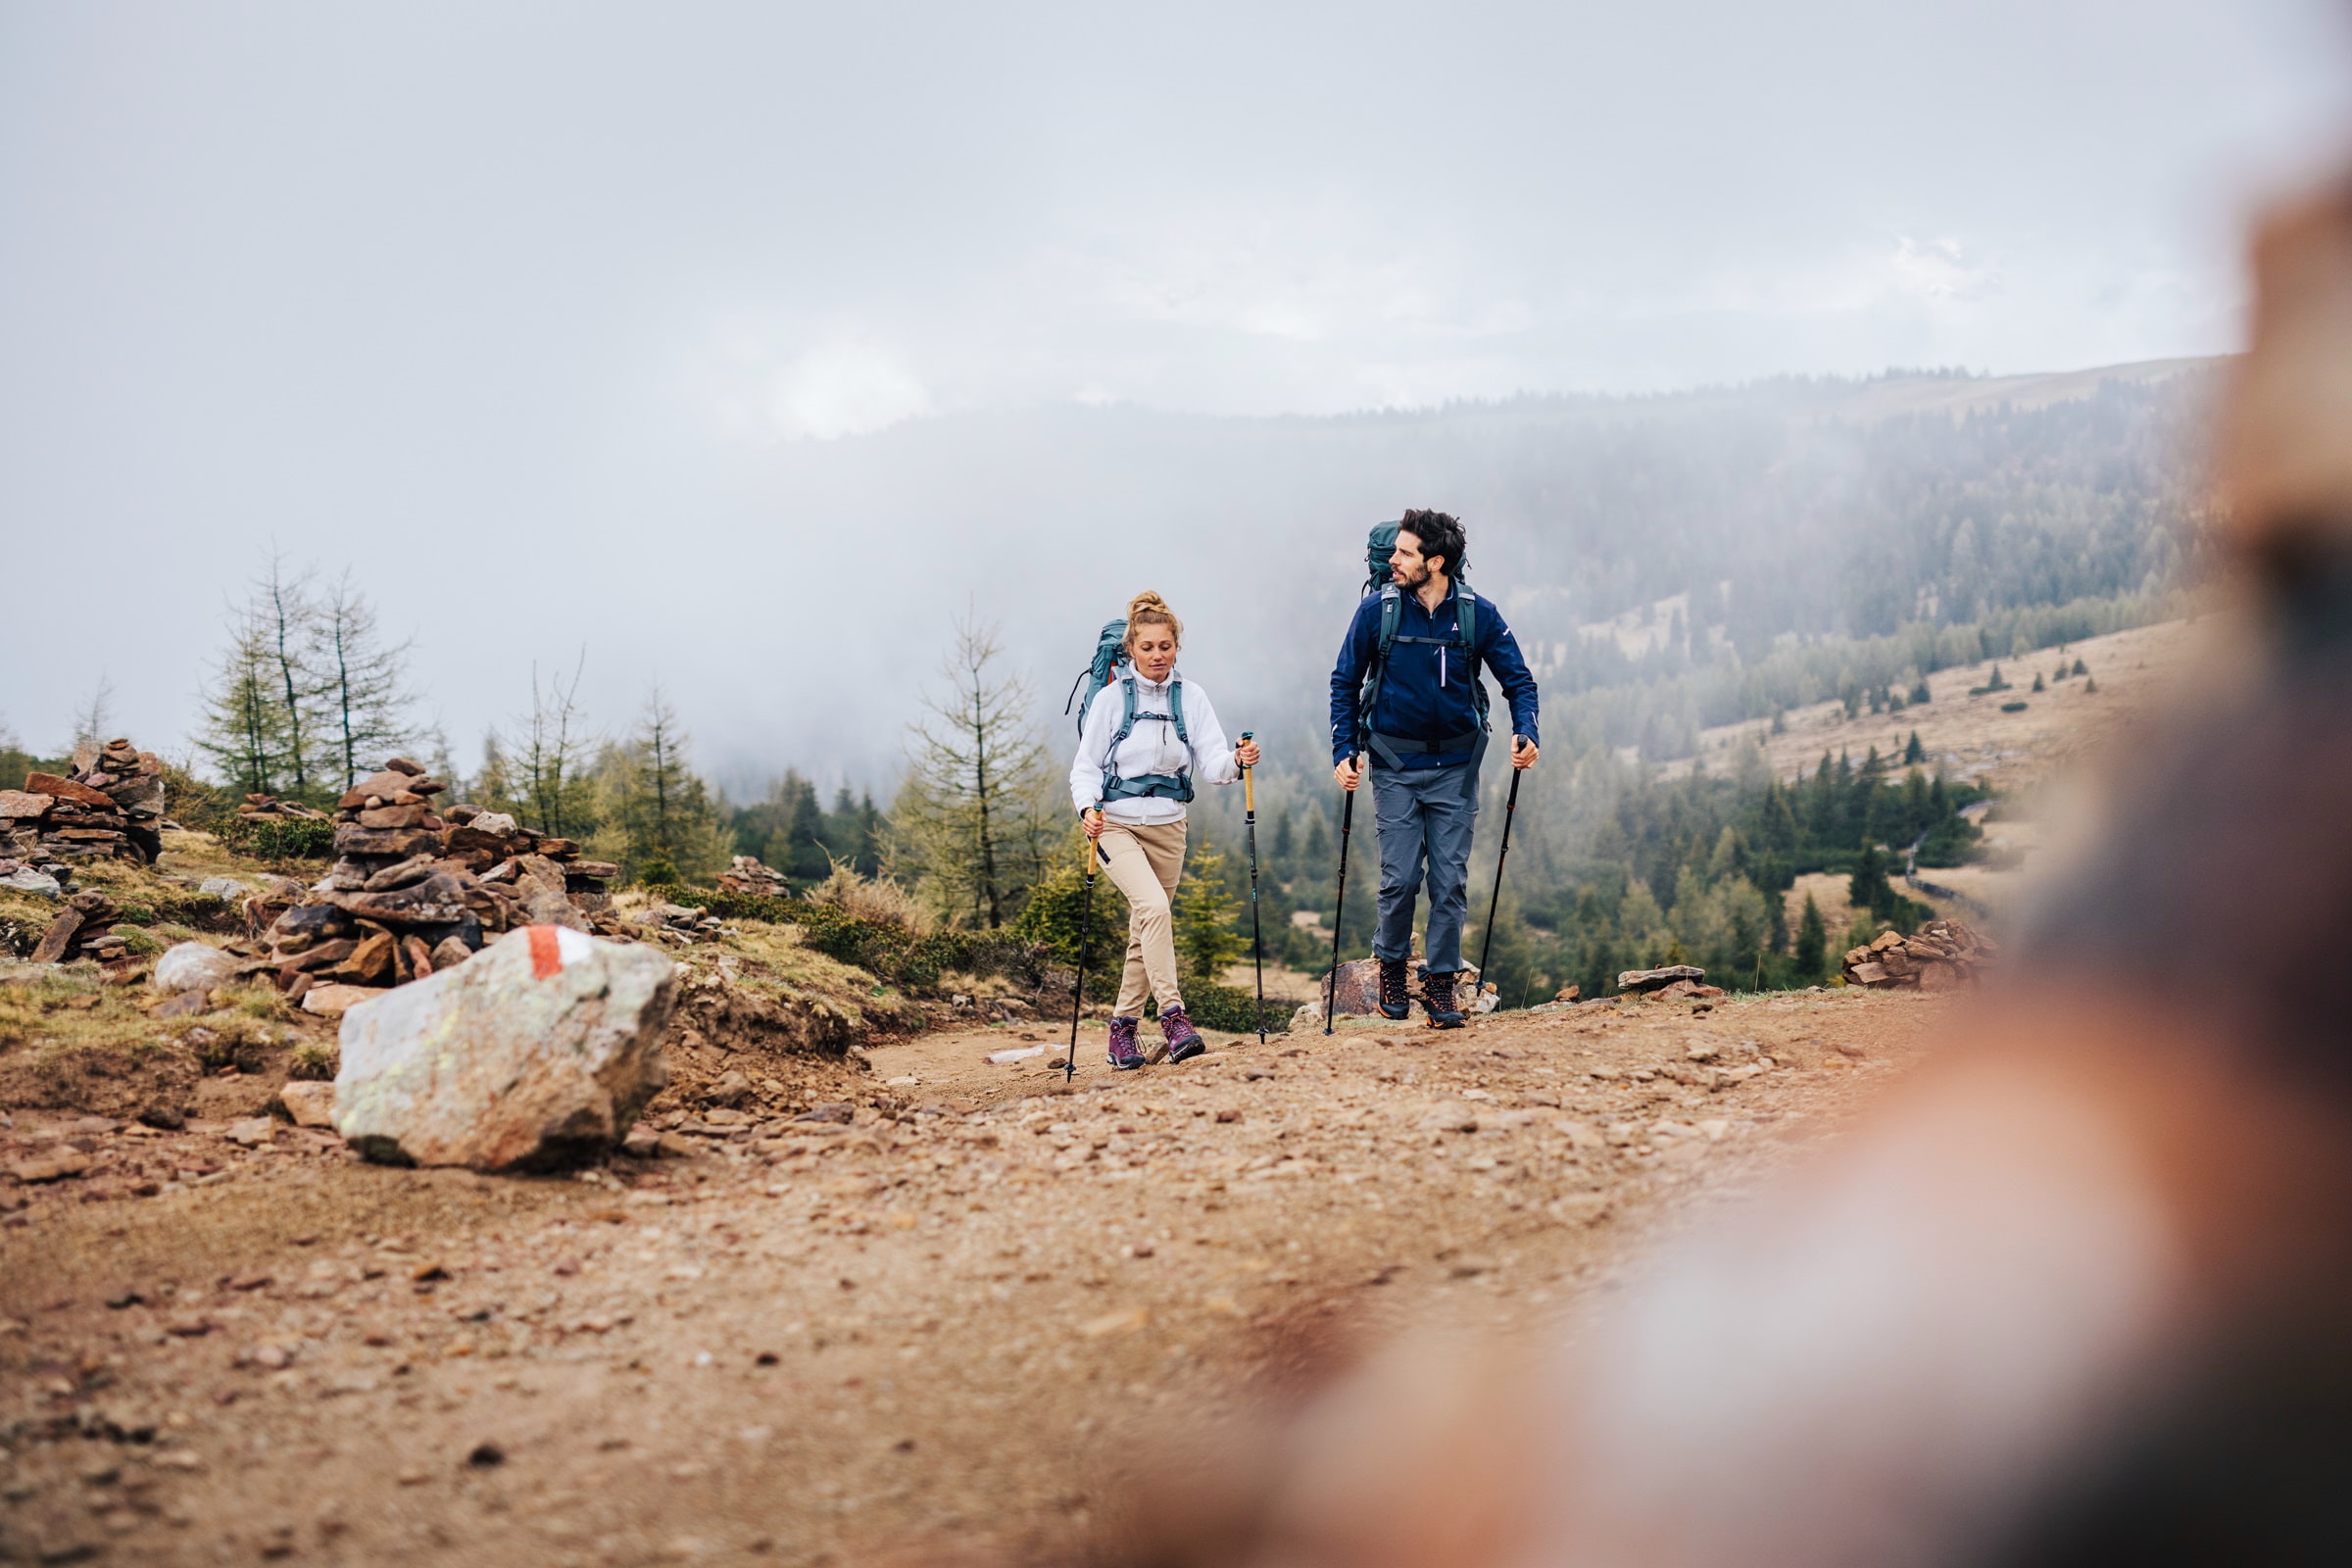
x=1914 y=753
x=970 y=820
x=1206 y=942
x=2037 y=680
x=1920 y=692
x=1867 y=888
x=1051 y=915
x=363 y=683
x=1812 y=943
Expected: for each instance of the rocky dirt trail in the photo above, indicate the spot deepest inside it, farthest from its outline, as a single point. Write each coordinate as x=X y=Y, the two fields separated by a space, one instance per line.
x=937 y=1329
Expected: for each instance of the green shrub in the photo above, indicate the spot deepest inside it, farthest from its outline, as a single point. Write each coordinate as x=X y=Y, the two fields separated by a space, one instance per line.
x=1216 y=1006
x=280 y=838
x=884 y=949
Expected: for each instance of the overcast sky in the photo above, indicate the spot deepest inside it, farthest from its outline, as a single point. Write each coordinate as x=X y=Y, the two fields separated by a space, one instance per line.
x=522 y=310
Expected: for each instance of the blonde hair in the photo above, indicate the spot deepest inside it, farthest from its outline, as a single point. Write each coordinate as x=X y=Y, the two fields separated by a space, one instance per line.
x=1149 y=608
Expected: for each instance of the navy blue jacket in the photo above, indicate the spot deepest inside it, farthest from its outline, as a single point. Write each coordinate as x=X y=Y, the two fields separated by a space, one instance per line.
x=1426 y=695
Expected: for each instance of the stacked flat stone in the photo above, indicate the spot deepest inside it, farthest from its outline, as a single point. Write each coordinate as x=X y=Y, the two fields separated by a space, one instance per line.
x=109 y=806
x=270 y=808
x=749 y=874
x=85 y=928
x=415 y=891
x=1940 y=956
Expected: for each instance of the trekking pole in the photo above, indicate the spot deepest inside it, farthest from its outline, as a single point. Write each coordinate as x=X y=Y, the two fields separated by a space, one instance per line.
x=1486 y=943
x=1086 y=925
x=1330 y=985
x=1258 y=948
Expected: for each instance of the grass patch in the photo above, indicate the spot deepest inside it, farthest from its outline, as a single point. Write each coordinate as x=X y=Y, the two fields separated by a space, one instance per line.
x=314 y=1059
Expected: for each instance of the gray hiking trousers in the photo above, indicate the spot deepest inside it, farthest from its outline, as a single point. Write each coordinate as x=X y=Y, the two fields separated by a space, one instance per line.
x=1425 y=817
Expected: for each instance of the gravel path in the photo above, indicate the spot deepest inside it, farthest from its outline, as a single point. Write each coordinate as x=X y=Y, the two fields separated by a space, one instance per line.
x=940 y=1328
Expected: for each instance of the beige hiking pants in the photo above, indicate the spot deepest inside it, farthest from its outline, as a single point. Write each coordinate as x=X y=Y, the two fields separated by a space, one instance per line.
x=1146 y=862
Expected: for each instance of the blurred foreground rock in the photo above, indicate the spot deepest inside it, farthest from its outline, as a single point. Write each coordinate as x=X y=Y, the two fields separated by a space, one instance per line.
x=536 y=1054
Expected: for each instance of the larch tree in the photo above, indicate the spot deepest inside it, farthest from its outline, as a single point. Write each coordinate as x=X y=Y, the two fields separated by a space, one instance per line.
x=363 y=681
x=286 y=612
x=95 y=716
x=970 y=820
x=550 y=772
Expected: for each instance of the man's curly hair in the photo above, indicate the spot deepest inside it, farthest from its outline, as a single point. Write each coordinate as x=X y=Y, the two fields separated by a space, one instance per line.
x=1441 y=534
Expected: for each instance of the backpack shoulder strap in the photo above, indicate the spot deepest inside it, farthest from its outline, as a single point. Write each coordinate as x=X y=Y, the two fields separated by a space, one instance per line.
x=1176 y=710
x=1465 y=628
x=1392 y=608
x=1127 y=716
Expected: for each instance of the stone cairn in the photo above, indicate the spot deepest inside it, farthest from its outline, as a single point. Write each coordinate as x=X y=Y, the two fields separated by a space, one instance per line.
x=1938 y=957
x=85 y=929
x=1676 y=982
x=748 y=874
x=415 y=891
x=110 y=807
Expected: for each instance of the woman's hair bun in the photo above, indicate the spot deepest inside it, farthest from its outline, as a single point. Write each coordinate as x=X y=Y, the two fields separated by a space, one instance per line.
x=1149 y=608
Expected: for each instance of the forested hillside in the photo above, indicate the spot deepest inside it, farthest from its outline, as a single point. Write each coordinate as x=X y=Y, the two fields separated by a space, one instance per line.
x=1667 y=563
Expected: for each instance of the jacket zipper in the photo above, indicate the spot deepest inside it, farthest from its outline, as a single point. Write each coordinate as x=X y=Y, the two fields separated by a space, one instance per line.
x=1441 y=670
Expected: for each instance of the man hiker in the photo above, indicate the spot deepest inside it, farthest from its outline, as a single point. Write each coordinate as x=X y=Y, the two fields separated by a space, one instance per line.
x=1416 y=710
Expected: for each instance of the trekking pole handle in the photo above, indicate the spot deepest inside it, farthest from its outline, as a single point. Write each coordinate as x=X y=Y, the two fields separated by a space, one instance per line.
x=1248 y=784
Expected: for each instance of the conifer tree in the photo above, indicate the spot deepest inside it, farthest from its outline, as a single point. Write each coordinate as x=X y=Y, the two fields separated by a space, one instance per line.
x=287 y=614
x=243 y=731
x=1914 y=753
x=551 y=771
x=1812 y=943
x=969 y=823
x=1205 y=907
x=363 y=682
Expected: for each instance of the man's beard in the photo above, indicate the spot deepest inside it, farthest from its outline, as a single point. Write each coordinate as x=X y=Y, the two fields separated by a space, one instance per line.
x=1410 y=578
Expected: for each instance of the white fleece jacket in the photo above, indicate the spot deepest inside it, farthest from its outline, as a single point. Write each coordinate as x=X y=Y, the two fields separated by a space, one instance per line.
x=1151 y=747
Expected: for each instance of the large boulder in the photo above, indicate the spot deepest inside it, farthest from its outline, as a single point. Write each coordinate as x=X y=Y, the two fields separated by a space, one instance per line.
x=1358 y=992
x=536 y=1053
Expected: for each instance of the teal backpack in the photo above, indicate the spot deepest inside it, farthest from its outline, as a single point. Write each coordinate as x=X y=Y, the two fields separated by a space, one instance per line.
x=1111 y=654
x=1111 y=658
x=1379 y=544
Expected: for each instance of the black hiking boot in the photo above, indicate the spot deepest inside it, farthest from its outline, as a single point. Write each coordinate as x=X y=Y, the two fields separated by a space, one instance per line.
x=1436 y=997
x=1394 y=1000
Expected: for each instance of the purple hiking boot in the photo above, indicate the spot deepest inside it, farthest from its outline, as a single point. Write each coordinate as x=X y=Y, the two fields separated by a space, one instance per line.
x=1184 y=1041
x=1124 y=1056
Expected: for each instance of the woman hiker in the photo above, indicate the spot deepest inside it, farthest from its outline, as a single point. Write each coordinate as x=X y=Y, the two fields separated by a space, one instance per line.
x=1147 y=738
